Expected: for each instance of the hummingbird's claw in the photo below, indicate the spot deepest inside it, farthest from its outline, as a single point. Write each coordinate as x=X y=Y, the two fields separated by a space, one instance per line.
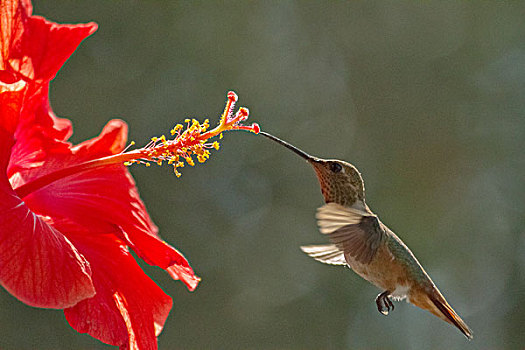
x=384 y=304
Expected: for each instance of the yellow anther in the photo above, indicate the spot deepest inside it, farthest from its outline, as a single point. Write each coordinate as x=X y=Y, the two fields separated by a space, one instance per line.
x=192 y=139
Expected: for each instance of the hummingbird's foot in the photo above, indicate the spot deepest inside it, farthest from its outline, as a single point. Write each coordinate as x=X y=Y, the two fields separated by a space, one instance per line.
x=384 y=304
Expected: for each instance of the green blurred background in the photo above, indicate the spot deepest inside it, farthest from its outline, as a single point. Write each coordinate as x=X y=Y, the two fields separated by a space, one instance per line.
x=426 y=99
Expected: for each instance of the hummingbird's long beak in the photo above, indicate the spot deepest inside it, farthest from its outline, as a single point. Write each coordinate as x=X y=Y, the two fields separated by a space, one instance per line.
x=296 y=150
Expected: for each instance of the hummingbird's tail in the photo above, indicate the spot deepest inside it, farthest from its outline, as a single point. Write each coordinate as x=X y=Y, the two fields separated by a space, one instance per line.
x=435 y=303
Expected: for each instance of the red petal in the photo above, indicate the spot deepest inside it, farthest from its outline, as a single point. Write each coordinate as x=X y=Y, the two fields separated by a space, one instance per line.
x=185 y=274
x=39 y=135
x=38 y=265
x=11 y=97
x=13 y=15
x=49 y=44
x=105 y=198
x=129 y=309
x=39 y=115
x=34 y=47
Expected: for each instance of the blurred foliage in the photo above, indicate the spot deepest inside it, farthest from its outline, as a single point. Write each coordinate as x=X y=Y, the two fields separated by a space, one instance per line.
x=426 y=99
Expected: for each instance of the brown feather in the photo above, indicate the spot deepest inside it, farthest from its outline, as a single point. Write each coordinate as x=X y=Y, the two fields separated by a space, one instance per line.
x=360 y=241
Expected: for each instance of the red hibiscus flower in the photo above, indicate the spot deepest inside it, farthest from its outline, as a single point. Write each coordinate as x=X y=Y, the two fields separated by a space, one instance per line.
x=69 y=214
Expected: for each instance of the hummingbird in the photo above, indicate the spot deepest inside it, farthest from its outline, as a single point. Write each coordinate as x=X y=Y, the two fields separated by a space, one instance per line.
x=361 y=241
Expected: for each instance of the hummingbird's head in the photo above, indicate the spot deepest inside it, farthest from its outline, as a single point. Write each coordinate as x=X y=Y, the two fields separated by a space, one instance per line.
x=340 y=181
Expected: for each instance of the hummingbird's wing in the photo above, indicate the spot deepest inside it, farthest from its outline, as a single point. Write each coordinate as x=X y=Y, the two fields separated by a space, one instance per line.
x=327 y=253
x=354 y=232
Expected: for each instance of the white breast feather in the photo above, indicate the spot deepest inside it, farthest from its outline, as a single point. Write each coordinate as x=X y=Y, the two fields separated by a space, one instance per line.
x=400 y=292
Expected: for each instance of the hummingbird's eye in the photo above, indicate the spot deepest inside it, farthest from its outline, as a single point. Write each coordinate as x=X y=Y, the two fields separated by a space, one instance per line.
x=335 y=167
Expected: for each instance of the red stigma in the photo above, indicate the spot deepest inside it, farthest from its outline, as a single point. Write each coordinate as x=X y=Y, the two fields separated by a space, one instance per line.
x=243 y=112
x=232 y=96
